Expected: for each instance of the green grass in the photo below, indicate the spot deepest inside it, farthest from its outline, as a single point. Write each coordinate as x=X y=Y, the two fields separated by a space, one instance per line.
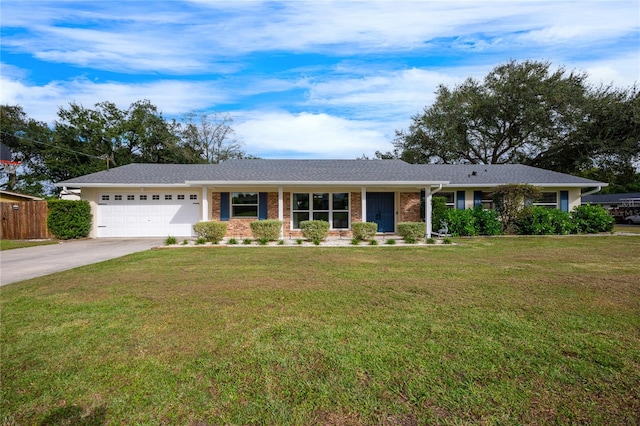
x=502 y=330
x=15 y=244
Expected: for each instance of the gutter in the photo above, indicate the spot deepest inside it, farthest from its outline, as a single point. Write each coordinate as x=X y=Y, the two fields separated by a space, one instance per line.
x=592 y=191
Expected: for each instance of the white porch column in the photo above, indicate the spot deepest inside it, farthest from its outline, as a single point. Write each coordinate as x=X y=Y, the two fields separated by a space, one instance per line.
x=427 y=211
x=205 y=203
x=281 y=210
x=363 y=196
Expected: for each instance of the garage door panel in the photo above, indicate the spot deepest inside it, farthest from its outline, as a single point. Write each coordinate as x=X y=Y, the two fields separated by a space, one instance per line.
x=129 y=216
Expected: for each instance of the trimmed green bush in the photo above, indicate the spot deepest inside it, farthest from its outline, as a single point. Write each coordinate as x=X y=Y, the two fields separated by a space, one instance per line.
x=315 y=230
x=211 y=231
x=364 y=230
x=266 y=229
x=590 y=219
x=170 y=241
x=69 y=219
x=412 y=230
x=462 y=223
x=538 y=220
x=487 y=222
x=438 y=212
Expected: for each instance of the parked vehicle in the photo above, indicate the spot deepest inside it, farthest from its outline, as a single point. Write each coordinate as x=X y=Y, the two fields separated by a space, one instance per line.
x=635 y=219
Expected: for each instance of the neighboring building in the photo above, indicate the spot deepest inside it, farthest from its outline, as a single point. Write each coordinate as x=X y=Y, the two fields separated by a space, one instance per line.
x=614 y=201
x=620 y=206
x=139 y=200
x=9 y=197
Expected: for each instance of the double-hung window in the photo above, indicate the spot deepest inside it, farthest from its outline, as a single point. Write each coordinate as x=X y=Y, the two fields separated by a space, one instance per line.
x=244 y=204
x=450 y=198
x=330 y=207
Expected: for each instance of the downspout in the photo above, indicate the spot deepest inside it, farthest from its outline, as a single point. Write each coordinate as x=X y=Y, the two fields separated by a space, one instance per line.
x=427 y=208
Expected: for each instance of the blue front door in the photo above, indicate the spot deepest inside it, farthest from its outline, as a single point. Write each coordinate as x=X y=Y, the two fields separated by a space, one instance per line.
x=380 y=208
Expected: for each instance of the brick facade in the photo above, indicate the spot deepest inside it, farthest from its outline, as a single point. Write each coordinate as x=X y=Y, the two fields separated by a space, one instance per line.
x=241 y=228
x=409 y=207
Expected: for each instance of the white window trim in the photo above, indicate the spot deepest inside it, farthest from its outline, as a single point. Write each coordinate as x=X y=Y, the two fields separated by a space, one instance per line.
x=231 y=205
x=330 y=211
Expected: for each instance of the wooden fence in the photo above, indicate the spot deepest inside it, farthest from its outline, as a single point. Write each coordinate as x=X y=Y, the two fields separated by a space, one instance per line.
x=24 y=220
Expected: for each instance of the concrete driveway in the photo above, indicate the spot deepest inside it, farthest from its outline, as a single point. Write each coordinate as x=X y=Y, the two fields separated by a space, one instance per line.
x=29 y=262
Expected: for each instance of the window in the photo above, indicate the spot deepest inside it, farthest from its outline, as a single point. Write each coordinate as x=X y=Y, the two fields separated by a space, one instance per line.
x=131 y=197
x=168 y=197
x=180 y=197
x=193 y=197
x=487 y=200
x=548 y=200
x=244 y=204
x=155 y=197
x=117 y=197
x=333 y=208
x=104 y=198
x=143 y=198
x=450 y=198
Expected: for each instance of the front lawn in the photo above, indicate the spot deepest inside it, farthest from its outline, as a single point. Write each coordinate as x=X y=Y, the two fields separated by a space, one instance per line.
x=507 y=330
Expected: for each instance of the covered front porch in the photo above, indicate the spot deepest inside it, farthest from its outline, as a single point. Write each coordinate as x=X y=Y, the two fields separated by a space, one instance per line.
x=388 y=205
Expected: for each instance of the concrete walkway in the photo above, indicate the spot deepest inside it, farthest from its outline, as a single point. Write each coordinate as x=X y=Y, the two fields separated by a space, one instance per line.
x=30 y=262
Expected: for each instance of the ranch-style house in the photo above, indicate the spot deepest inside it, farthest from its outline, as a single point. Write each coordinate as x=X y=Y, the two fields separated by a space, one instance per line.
x=157 y=200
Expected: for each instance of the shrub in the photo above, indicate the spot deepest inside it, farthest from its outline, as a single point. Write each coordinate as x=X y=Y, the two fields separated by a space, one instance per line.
x=487 y=222
x=373 y=242
x=69 y=219
x=280 y=242
x=412 y=230
x=447 y=241
x=590 y=219
x=170 y=241
x=315 y=229
x=185 y=242
x=299 y=241
x=538 y=220
x=263 y=241
x=269 y=229
x=246 y=241
x=390 y=242
x=200 y=240
x=233 y=241
x=211 y=231
x=364 y=230
x=510 y=201
x=431 y=240
x=462 y=223
x=438 y=212
x=355 y=241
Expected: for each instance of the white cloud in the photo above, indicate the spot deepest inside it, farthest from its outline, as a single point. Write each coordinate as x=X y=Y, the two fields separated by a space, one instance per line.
x=306 y=135
x=171 y=97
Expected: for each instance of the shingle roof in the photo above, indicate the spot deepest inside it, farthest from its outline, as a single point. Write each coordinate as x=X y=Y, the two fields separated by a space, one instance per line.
x=501 y=174
x=610 y=198
x=323 y=171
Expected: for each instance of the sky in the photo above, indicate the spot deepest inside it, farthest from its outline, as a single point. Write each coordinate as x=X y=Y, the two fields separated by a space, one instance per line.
x=300 y=79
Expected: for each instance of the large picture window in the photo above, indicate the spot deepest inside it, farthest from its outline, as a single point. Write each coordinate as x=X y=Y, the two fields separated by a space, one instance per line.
x=244 y=204
x=330 y=207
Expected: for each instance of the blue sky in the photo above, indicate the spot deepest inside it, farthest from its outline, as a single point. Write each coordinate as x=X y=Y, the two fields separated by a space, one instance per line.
x=300 y=79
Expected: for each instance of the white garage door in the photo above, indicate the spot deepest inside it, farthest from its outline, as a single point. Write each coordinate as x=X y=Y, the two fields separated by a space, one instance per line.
x=149 y=214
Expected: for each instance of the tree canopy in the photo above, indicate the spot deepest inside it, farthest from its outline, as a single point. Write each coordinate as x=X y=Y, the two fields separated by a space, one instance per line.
x=525 y=112
x=85 y=140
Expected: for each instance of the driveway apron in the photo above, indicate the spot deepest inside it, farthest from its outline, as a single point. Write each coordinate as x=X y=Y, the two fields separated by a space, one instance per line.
x=30 y=262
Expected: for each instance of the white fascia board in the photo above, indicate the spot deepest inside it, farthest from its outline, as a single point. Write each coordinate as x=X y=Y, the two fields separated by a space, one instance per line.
x=314 y=183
